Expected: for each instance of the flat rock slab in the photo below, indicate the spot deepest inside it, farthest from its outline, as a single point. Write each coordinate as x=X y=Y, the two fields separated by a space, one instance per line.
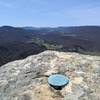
x=27 y=79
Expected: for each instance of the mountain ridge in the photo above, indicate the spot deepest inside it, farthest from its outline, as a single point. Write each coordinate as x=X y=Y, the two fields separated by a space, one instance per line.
x=16 y=41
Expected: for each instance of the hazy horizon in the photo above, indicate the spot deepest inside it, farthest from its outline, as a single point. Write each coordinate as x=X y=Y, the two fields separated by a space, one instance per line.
x=52 y=26
x=49 y=13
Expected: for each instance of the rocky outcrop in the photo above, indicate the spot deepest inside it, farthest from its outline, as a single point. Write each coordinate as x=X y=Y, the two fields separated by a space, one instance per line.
x=27 y=79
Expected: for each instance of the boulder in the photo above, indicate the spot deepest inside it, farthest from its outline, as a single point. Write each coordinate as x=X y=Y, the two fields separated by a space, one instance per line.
x=27 y=79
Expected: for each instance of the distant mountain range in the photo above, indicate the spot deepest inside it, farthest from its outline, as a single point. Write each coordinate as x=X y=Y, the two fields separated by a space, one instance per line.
x=20 y=42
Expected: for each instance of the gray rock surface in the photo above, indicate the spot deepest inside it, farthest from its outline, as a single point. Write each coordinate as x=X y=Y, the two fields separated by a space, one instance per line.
x=27 y=79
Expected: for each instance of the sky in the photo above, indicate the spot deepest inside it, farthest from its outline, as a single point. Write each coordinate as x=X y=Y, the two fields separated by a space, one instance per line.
x=49 y=13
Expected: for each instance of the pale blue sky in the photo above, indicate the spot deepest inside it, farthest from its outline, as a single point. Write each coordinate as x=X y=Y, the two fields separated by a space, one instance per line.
x=49 y=13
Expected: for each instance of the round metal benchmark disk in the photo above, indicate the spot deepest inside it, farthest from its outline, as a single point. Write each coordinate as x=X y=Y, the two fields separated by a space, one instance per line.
x=58 y=81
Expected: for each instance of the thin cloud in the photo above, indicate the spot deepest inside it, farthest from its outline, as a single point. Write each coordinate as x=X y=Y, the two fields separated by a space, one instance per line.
x=5 y=4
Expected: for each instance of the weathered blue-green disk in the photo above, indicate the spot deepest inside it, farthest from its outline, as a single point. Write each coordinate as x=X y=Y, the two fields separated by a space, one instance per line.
x=58 y=80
